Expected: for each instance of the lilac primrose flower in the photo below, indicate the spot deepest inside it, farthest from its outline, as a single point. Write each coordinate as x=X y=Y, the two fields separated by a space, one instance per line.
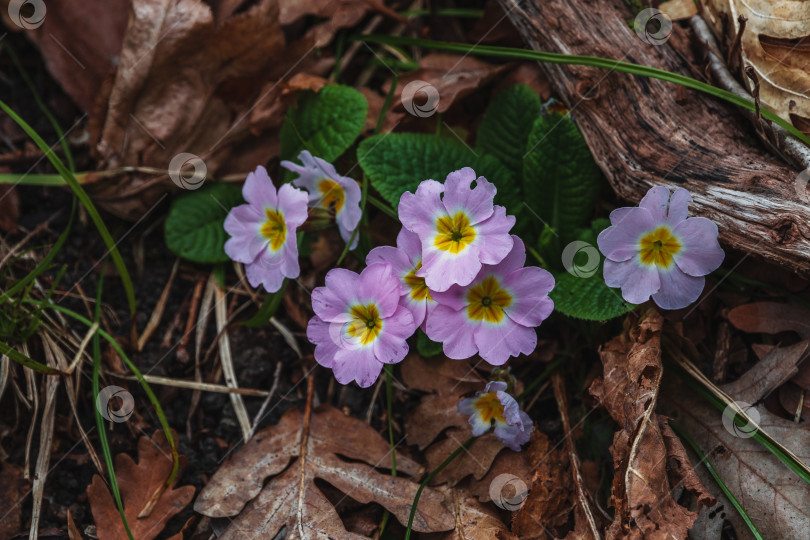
x=263 y=230
x=459 y=230
x=359 y=324
x=513 y=427
x=659 y=252
x=495 y=315
x=406 y=260
x=339 y=195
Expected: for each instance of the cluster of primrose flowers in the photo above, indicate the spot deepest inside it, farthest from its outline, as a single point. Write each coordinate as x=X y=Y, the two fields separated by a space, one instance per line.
x=456 y=272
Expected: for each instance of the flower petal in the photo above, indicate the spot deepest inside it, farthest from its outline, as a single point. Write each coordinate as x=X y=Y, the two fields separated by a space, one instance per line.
x=390 y=346
x=410 y=245
x=378 y=283
x=498 y=342
x=259 y=189
x=529 y=288
x=266 y=270
x=701 y=253
x=243 y=223
x=453 y=331
x=442 y=269
x=318 y=333
x=394 y=256
x=357 y=365
x=476 y=203
x=418 y=212
x=638 y=283
x=292 y=203
x=620 y=242
x=678 y=289
x=494 y=241
x=656 y=201
x=678 y=206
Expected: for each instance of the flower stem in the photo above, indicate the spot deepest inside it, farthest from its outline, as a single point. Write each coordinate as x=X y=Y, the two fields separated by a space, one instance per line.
x=389 y=391
x=430 y=477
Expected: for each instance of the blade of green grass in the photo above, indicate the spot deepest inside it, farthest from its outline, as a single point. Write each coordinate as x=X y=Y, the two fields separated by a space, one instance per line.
x=85 y=200
x=580 y=60
x=22 y=359
x=269 y=306
x=102 y=432
x=730 y=496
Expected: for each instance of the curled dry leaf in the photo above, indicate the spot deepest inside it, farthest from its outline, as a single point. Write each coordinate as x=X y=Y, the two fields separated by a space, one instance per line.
x=240 y=489
x=772 y=494
x=138 y=482
x=643 y=487
x=474 y=520
x=550 y=498
x=452 y=75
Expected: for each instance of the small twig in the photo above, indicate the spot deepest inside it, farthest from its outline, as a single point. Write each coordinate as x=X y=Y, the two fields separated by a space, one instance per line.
x=157 y=313
x=260 y=414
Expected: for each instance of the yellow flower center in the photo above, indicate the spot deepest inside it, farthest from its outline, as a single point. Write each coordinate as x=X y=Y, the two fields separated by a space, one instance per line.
x=274 y=229
x=658 y=247
x=455 y=233
x=365 y=324
x=487 y=300
x=419 y=290
x=489 y=407
x=332 y=195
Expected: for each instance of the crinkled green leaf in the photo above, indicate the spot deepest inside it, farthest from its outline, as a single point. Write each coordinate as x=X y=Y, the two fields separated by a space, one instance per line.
x=583 y=293
x=560 y=177
x=426 y=346
x=194 y=227
x=398 y=162
x=326 y=123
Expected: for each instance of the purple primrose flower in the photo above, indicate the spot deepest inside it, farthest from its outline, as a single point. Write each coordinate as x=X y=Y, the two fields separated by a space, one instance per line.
x=494 y=406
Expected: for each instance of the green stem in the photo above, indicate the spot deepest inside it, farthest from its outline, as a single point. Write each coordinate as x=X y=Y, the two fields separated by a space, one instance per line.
x=389 y=401
x=581 y=60
x=730 y=496
x=430 y=477
x=387 y=103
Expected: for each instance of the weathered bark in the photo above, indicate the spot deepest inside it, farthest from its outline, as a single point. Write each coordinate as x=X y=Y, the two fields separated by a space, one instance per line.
x=645 y=132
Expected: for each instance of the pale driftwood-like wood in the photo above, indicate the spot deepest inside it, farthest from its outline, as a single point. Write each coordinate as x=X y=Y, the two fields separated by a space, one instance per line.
x=645 y=132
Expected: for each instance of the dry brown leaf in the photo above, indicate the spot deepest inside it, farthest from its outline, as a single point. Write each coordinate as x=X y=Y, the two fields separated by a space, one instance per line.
x=772 y=494
x=550 y=493
x=454 y=76
x=773 y=44
x=14 y=489
x=642 y=493
x=240 y=489
x=73 y=530
x=137 y=483
x=771 y=318
x=474 y=520
x=9 y=208
x=440 y=374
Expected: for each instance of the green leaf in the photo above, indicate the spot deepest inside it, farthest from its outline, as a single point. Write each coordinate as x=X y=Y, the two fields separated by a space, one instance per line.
x=326 y=123
x=506 y=125
x=581 y=291
x=427 y=347
x=195 y=225
x=560 y=177
x=398 y=162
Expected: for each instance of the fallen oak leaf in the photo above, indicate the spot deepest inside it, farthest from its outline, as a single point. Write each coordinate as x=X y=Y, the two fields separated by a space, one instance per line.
x=240 y=489
x=137 y=483
x=473 y=519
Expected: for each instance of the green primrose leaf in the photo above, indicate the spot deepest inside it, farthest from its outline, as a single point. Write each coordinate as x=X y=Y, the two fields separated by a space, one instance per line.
x=326 y=123
x=427 y=347
x=398 y=162
x=194 y=227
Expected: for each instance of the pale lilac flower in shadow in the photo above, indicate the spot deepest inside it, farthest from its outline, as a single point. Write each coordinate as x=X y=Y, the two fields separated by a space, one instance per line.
x=406 y=260
x=459 y=227
x=494 y=406
x=359 y=324
x=263 y=230
x=656 y=250
x=338 y=195
x=496 y=314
